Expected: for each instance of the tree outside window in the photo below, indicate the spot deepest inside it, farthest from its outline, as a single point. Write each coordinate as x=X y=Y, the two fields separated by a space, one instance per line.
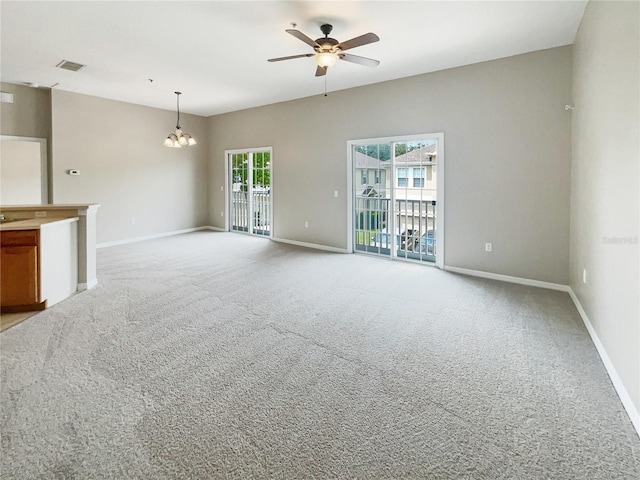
x=261 y=169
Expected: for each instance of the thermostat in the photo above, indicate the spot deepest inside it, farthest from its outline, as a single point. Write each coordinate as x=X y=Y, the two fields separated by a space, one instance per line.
x=74 y=172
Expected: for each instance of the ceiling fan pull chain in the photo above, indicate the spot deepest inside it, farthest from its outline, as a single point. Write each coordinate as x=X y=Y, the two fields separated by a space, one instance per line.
x=325 y=85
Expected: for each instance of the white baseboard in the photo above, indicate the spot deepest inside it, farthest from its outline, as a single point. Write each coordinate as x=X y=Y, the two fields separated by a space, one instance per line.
x=215 y=229
x=508 y=278
x=631 y=409
x=155 y=235
x=311 y=245
x=87 y=286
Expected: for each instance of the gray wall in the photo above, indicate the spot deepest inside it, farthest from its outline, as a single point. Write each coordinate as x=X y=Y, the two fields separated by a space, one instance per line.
x=123 y=165
x=30 y=113
x=507 y=156
x=605 y=202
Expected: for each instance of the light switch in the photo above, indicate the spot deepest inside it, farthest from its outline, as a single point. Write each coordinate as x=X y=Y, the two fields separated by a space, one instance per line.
x=6 y=97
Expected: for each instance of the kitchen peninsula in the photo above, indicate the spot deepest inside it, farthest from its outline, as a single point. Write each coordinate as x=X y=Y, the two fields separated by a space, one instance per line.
x=48 y=252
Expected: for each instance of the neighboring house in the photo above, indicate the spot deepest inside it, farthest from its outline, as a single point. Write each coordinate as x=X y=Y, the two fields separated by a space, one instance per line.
x=415 y=190
x=416 y=174
x=370 y=173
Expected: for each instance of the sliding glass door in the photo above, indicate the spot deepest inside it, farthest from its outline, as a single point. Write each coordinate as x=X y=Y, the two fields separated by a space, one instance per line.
x=250 y=191
x=395 y=198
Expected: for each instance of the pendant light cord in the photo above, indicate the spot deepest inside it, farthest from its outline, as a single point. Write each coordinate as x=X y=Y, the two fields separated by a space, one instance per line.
x=178 y=108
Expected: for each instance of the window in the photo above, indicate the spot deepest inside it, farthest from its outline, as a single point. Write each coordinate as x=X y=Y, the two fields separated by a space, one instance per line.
x=363 y=179
x=418 y=177
x=402 y=177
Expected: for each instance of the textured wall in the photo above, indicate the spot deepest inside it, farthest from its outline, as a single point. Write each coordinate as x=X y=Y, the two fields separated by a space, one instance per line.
x=605 y=203
x=507 y=156
x=123 y=165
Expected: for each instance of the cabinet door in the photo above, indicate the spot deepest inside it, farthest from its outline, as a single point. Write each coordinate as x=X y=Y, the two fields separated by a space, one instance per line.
x=19 y=278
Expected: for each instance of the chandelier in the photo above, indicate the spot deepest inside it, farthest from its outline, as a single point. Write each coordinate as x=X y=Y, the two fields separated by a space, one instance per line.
x=179 y=139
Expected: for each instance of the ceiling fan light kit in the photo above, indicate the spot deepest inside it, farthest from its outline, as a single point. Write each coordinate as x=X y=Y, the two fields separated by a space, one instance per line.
x=179 y=139
x=328 y=50
x=326 y=59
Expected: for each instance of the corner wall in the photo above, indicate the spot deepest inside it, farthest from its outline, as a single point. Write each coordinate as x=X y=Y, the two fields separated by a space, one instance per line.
x=605 y=199
x=124 y=167
x=507 y=155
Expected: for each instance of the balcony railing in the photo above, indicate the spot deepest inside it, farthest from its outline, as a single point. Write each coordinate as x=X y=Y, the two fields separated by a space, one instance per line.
x=414 y=234
x=240 y=218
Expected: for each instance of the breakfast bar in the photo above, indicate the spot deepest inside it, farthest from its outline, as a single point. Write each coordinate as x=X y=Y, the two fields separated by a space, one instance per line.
x=47 y=254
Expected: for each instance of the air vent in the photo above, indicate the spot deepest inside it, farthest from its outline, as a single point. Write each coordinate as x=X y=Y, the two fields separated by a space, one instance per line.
x=67 y=65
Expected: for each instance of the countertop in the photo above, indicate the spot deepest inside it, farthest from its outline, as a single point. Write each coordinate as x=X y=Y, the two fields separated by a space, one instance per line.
x=34 y=223
x=54 y=206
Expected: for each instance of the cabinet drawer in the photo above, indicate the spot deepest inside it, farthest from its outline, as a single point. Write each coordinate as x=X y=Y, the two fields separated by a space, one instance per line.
x=19 y=238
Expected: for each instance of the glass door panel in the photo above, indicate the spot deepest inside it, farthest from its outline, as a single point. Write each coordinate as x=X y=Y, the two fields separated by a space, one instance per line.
x=250 y=192
x=239 y=214
x=261 y=193
x=415 y=199
x=395 y=199
x=371 y=202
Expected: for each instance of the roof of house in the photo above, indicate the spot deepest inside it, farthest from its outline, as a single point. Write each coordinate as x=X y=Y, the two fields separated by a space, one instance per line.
x=369 y=192
x=365 y=161
x=426 y=153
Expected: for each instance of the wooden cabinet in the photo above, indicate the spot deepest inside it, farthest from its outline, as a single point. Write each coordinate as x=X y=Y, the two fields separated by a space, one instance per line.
x=20 y=270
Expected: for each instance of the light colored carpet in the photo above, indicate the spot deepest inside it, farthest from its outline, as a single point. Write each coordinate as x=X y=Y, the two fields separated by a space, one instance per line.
x=218 y=355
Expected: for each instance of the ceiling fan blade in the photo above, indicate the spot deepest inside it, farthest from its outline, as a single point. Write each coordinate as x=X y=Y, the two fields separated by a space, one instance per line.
x=320 y=71
x=301 y=36
x=367 y=62
x=279 y=59
x=358 y=41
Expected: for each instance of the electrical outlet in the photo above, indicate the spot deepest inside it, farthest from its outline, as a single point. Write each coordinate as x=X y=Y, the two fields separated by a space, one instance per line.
x=584 y=275
x=488 y=247
x=221 y=188
x=222 y=214
x=133 y=221
x=40 y=214
x=306 y=224
x=335 y=193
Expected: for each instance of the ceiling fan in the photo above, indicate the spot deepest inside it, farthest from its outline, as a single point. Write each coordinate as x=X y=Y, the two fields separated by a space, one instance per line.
x=328 y=50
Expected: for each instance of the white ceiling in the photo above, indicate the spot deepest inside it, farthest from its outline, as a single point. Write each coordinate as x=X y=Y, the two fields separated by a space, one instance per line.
x=215 y=52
